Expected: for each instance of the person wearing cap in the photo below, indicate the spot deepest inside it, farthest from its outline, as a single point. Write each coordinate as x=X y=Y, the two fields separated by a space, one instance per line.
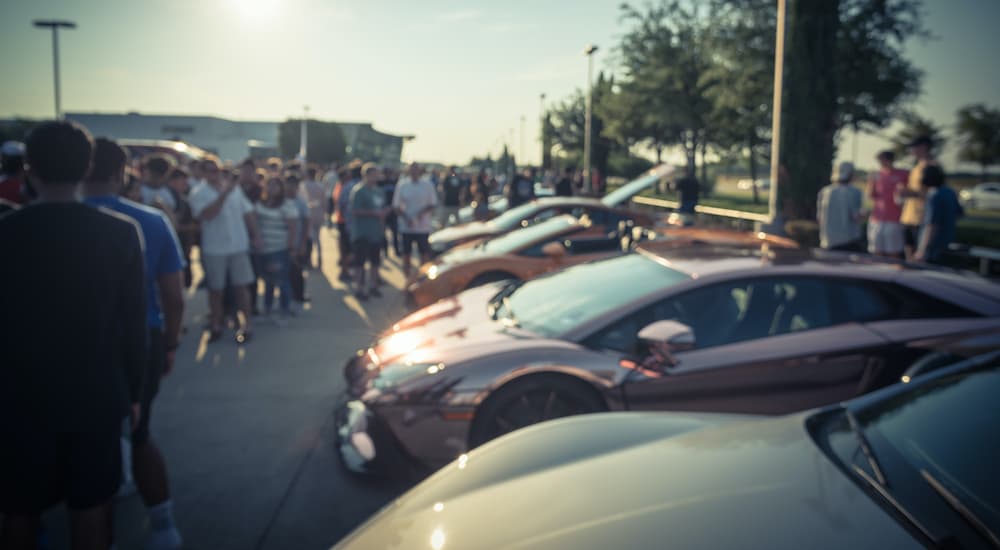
x=12 y=178
x=912 y=216
x=839 y=212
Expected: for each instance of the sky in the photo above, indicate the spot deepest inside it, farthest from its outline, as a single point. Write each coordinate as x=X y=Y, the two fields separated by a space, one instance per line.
x=459 y=75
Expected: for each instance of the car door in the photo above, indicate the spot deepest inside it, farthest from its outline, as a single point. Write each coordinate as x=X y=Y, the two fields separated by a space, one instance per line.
x=765 y=345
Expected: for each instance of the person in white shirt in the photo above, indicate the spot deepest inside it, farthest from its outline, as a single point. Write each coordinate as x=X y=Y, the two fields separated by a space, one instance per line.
x=315 y=196
x=154 y=190
x=228 y=228
x=838 y=211
x=414 y=201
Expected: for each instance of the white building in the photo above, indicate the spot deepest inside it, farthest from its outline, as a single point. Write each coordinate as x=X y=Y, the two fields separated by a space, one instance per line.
x=232 y=139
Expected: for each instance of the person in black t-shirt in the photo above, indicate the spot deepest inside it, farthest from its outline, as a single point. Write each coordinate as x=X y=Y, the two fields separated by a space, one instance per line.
x=522 y=189
x=454 y=193
x=73 y=331
x=564 y=187
x=687 y=188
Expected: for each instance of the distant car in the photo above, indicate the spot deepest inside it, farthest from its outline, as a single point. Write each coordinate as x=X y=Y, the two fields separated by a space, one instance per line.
x=551 y=245
x=985 y=196
x=606 y=211
x=748 y=184
x=692 y=328
x=181 y=152
x=910 y=466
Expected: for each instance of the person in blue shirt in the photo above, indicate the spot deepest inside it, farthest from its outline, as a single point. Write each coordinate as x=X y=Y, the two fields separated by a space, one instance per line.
x=941 y=213
x=164 y=312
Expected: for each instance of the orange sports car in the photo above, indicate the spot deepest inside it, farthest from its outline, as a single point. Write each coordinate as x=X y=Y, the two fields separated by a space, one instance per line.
x=550 y=246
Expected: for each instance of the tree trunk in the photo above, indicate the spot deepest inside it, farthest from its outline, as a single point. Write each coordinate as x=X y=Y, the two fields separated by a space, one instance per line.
x=753 y=169
x=704 y=166
x=809 y=104
x=659 y=154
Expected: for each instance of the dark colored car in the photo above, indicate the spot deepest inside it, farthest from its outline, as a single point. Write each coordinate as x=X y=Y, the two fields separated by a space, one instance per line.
x=606 y=212
x=705 y=329
x=911 y=466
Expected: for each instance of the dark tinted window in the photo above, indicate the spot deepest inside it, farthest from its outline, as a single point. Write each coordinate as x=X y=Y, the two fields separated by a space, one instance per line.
x=593 y=245
x=863 y=301
x=731 y=312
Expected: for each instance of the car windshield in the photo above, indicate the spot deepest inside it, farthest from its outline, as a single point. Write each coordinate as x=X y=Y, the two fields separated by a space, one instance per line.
x=632 y=188
x=513 y=217
x=947 y=432
x=553 y=305
x=516 y=240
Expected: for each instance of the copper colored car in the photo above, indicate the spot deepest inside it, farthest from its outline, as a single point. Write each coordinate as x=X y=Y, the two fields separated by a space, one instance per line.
x=605 y=212
x=707 y=329
x=552 y=245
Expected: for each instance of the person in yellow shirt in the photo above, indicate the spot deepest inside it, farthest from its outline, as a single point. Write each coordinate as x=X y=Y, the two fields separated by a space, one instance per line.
x=914 y=193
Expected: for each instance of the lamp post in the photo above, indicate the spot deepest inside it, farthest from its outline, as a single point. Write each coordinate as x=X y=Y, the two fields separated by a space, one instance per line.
x=541 y=129
x=774 y=214
x=54 y=26
x=588 y=183
x=520 y=146
x=304 y=134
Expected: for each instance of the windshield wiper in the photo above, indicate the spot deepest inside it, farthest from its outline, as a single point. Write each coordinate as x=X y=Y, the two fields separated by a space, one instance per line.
x=866 y=448
x=961 y=509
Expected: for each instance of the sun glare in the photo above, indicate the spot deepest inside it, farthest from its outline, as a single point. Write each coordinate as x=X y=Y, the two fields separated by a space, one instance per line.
x=256 y=9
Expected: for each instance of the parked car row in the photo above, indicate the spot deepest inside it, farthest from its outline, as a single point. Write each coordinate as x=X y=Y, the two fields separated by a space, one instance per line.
x=694 y=340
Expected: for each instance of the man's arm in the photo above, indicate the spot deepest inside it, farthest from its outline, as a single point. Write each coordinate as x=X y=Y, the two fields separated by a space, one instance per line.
x=132 y=317
x=171 y=289
x=213 y=209
x=251 y=221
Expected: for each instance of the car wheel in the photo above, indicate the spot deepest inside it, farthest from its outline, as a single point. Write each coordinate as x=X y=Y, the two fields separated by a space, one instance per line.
x=491 y=277
x=529 y=401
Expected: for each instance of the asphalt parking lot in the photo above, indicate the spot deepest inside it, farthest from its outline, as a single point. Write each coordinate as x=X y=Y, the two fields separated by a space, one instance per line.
x=247 y=431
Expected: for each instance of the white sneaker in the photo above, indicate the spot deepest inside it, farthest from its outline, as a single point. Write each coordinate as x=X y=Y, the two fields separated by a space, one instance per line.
x=164 y=539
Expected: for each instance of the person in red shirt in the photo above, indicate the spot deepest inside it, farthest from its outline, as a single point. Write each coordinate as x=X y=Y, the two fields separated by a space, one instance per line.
x=885 y=233
x=12 y=179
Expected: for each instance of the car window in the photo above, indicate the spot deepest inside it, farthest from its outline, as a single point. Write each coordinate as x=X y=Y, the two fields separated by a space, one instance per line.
x=861 y=302
x=730 y=312
x=592 y=245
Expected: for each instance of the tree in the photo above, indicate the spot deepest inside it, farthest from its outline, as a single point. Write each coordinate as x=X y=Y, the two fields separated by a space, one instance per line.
x=915 y=126
x=325 y=140
x=568 y=124
x=978 y=133
x=666 y=60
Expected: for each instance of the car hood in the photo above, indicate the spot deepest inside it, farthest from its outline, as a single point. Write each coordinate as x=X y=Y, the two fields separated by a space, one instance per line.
x=638 y=481
x=450 y=331
x=462 y=233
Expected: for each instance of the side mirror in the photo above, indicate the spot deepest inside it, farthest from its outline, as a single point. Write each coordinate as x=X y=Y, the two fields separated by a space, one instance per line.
x=664 y=339
x=554 y=250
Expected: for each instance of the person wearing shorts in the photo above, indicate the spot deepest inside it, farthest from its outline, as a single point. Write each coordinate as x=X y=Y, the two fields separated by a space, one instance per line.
x=368 y=209
x=415 y=200
x=885 y=232
x=227 y=229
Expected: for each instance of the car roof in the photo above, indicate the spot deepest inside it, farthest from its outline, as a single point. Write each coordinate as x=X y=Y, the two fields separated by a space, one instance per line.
x=570 y=201
x=704 y=260
x=664 y=239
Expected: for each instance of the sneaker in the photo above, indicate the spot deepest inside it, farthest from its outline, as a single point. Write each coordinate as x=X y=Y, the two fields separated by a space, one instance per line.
x=164 y=539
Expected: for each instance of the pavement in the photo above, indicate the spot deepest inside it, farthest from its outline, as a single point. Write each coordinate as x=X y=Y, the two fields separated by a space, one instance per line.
x=247 y=430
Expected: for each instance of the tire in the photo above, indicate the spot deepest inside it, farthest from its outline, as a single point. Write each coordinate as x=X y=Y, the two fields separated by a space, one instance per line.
x=490 y=277
x=529 y=401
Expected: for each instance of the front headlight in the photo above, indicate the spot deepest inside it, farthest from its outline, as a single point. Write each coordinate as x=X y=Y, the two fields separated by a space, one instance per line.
x=399 y=374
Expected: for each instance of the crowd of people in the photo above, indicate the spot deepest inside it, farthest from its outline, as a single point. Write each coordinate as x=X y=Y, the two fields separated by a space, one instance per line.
x=914 y=213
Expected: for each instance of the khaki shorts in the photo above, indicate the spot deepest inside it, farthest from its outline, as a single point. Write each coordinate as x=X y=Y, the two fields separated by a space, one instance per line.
x=234 y=268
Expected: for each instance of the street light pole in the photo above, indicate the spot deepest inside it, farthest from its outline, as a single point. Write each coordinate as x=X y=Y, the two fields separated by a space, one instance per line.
x=588 y=184
x=774 y=214
x=541 y=129
x=54 y=26
x=304 y=134
x=520 y=146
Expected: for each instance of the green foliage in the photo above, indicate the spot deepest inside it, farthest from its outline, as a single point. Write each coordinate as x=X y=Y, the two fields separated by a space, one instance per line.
x=568 y=125
x=325 y=140
x=978 y=133
x=622 y=164
x=915 y=126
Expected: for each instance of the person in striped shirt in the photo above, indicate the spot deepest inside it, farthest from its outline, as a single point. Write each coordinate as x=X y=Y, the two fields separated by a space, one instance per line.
x=276 y=221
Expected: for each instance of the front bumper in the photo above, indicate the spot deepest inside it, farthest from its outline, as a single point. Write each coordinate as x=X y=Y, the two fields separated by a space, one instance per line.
x=366 y=445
